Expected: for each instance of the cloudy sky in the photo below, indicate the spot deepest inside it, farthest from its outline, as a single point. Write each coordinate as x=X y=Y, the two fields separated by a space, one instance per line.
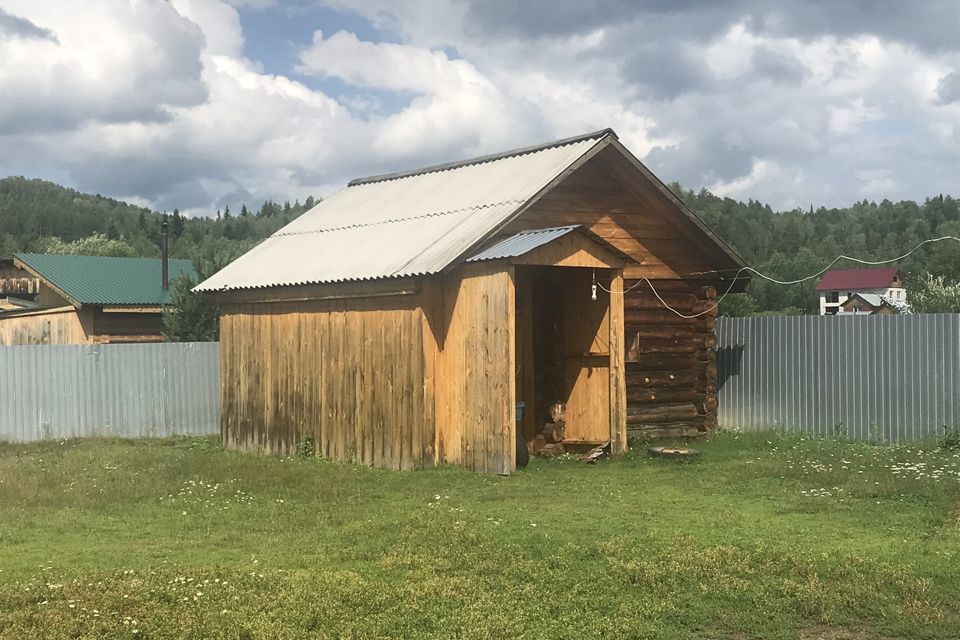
x=200 y=103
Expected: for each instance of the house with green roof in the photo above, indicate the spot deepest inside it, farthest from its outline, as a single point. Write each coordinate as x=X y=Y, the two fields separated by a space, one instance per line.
x=68 y=299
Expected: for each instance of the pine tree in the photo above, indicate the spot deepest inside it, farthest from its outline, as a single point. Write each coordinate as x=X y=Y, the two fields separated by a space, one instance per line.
x=176 y=224
x=188 y=317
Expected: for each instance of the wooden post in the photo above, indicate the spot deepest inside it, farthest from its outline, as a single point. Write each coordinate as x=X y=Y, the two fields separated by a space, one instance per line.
x=618 y=389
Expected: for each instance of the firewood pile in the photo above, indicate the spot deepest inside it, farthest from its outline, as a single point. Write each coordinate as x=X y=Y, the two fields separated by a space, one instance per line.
x=549 y=442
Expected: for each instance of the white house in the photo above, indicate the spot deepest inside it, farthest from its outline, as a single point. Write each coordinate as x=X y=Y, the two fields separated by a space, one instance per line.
x=836 y=287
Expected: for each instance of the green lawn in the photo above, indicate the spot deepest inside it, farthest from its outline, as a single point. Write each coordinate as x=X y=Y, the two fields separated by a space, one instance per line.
x=766 y=537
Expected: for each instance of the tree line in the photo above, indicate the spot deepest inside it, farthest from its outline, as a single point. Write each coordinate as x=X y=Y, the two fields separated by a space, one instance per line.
x=37 y=215
x=43 y=217
x=788 y=245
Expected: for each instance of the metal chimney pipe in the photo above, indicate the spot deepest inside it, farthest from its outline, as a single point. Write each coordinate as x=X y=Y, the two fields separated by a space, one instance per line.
x=164 y=256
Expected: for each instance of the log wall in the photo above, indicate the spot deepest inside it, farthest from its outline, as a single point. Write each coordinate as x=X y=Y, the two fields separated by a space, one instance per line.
x=671 y=361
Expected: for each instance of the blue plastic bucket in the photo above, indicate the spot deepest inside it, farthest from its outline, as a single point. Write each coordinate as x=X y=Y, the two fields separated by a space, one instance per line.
x=520 y=407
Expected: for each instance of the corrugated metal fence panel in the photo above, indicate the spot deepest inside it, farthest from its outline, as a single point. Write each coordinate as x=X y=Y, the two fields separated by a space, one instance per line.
x=868 y=377
x=129 y=391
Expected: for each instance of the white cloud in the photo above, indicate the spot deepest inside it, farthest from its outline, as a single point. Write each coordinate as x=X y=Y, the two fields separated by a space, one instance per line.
x=848 y=118
x=219 y=22
x=109 y=61
x=156 y=101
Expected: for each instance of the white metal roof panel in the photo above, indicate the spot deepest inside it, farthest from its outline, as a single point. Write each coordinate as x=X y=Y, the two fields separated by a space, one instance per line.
x=402 y=225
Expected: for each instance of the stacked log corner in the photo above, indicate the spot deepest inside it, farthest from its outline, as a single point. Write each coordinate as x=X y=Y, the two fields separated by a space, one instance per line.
x=671 y=360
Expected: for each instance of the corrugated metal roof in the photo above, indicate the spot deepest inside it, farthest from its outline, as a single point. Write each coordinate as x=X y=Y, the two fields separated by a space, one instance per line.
x=857 y=279
x=520 y=243
x=403 y=224
x=103 y=280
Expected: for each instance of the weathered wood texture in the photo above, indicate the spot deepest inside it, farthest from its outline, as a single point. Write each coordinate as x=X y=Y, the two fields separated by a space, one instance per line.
x=127 y=327
x=671 y=379
x=618 y=388
x=431 y=375
x=570 y=358
x=349 y=374
x=46 y=326
x=606 y=196
x=526 y=336
x=587 y=358
x=474 y=369
x=670 y=359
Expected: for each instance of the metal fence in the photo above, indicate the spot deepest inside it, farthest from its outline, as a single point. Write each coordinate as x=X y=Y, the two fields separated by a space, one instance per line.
x=129 y=391
x=885 y=378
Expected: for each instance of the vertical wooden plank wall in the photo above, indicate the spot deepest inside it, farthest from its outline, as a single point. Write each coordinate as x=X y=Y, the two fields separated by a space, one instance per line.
x=350 y=374
x=618 y=390
x=586 y=356
x=48 y=326
x=475 y=376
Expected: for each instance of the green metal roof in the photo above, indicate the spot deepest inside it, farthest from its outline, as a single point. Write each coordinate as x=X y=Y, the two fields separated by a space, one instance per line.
x=99 y=280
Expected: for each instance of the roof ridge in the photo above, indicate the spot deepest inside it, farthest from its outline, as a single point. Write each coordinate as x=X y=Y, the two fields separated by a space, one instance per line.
x=19 y=254
x=600 y=134
x=863 y=269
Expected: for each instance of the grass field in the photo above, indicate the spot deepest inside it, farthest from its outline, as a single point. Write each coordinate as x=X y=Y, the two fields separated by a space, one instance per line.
x=766 y=537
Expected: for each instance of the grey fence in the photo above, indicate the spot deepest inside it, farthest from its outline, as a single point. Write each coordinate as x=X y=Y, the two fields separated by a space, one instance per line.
x=886 y=378
x=129 y=391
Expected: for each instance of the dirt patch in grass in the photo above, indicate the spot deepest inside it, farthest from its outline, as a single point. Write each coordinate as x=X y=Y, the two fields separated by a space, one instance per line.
x=833 y=633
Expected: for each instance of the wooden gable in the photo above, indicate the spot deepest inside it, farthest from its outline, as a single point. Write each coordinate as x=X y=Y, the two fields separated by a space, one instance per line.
x=576 y=249
x=616 y=201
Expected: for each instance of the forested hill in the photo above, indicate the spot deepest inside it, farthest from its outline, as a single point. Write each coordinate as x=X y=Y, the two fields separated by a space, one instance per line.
x=41 y=216
x=36 y=215
x=792 y=244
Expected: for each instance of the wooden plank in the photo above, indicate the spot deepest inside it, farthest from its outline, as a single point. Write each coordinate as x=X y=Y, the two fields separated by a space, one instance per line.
x=524 y=350
x=508 y=434
x=317 y=292
x=646 y=414
x=475 y=367
x=618 y=402
x=62 y=325
x=587 y=379
x=572 y=250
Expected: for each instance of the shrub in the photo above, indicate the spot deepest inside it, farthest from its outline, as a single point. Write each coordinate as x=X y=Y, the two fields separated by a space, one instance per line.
x=951 y=438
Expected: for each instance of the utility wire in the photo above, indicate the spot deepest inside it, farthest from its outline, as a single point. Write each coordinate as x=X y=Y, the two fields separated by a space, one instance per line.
x=741 y=270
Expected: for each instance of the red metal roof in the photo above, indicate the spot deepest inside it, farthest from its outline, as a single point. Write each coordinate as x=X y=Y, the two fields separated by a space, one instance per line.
x=857 y=279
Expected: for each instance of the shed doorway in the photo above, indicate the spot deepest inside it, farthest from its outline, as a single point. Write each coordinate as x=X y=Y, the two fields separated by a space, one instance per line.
x=563 y=351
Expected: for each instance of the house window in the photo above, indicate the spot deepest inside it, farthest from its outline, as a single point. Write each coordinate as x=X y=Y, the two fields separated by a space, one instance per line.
x=833 y=297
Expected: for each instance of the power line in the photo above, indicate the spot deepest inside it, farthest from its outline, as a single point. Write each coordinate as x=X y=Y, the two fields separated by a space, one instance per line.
x=743 y=269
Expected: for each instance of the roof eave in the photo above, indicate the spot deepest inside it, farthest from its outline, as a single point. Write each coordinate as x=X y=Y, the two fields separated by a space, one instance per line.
x=685 y=210
x=19 y=263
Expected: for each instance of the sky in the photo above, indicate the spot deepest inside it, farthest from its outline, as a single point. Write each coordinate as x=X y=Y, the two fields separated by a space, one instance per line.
x=196 y=104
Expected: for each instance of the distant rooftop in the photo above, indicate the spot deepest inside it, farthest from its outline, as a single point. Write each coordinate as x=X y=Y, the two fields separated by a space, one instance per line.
x=99 y=280
x=852 y=279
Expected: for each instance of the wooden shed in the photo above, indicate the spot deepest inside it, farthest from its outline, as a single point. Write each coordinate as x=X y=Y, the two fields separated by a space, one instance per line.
x=399 y=322
x=68 y=299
